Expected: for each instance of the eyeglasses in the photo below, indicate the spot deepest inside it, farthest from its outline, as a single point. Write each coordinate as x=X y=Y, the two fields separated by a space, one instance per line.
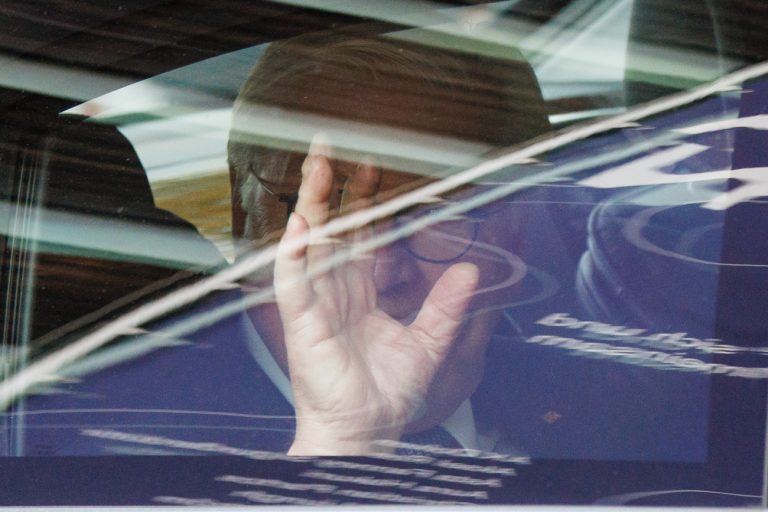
x=443 y=239
x=289 y=198
x=439 y=241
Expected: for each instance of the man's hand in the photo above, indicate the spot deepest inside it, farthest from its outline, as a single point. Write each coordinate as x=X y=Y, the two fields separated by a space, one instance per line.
x=358 y=375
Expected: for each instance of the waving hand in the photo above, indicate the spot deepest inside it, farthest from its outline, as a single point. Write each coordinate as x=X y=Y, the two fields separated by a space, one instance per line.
x=358 y=375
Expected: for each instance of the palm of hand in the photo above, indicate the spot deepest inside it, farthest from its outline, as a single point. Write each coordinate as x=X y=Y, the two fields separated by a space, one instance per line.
x=357 y=363
x=358 y=375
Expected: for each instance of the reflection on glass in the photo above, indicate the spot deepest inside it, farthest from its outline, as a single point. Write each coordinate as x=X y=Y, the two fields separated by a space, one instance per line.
x=432 y=307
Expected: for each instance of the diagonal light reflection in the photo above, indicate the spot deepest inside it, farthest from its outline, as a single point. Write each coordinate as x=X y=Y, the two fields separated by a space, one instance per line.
x=16 y=385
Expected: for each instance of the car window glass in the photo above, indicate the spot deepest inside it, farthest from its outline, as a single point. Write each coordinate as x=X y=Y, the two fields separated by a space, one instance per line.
x=522 y=265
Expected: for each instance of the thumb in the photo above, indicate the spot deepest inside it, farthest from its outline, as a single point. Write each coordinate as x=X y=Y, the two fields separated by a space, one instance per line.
x=443 y=310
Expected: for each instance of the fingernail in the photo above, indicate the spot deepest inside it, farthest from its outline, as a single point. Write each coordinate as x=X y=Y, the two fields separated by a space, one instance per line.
x=372 y=173
x=469 y=272
x=320 y=145
x=367 y=161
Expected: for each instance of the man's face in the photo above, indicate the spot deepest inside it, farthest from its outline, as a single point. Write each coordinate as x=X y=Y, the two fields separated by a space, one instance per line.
x=406 y=270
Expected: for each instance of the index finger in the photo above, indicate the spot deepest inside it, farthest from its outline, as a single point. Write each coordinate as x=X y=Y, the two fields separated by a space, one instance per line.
x=359 y=192
x=361 y=186
x=315 y=192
